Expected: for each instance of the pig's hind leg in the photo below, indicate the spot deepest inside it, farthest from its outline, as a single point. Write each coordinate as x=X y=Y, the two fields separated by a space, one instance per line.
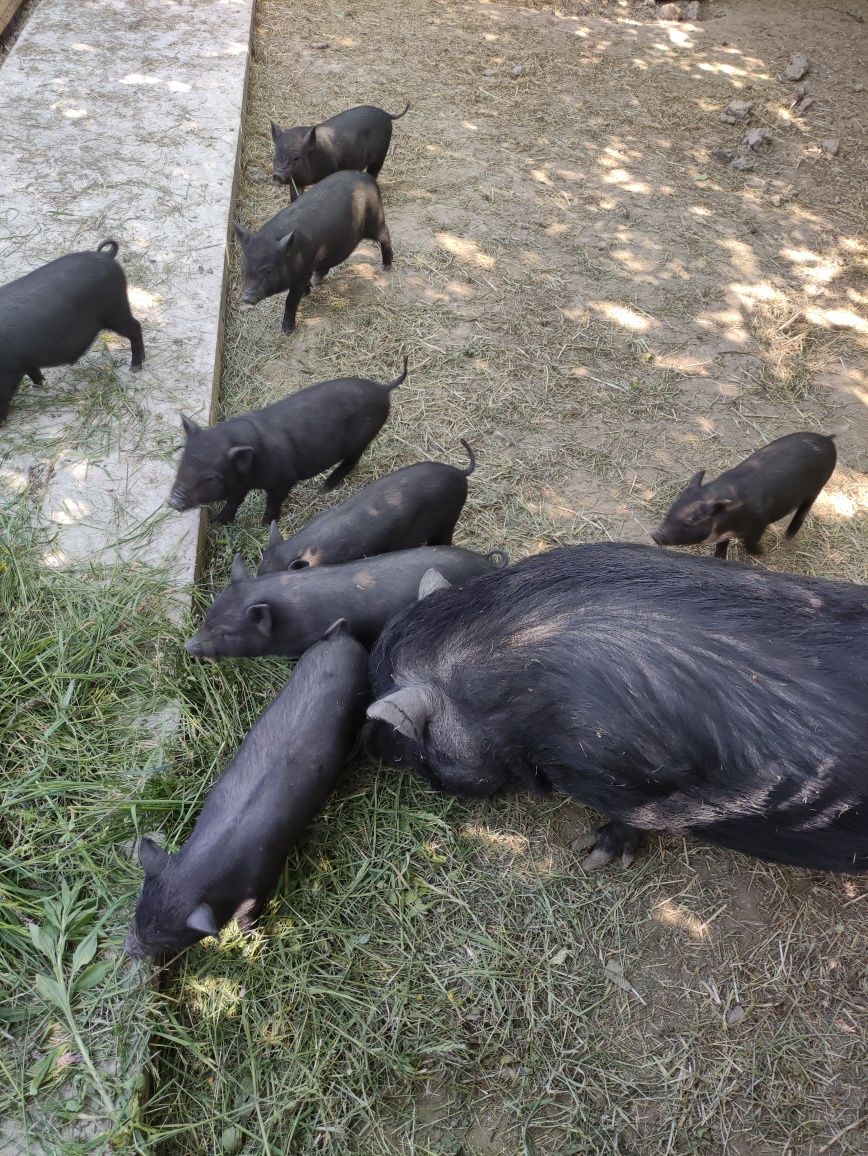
x=799 y=516
x=613 y=840
x=337 y=476
x=8 y=384
x=122 y=322
x=378 y=231
x=35 y=375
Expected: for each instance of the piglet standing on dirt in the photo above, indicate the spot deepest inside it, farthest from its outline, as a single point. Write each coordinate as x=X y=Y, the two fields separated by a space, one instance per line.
x=51 y=316
x=666 y=691
x=285 y=613
x=416 y=506
x=277 y=783
x=787 y=474
x=273 y=448
x=358 y=139
x=302 y=242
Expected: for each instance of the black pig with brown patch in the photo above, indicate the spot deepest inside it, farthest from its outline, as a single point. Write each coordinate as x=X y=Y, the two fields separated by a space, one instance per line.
x=663 y=690
x=787 y=474
x=278 y=781
x=416 y=506
x=274 y=448
x=285 y=613
x=358 y=139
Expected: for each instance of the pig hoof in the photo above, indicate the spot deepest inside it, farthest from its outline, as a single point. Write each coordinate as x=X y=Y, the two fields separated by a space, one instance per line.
x=610 y=842
x=135 y=369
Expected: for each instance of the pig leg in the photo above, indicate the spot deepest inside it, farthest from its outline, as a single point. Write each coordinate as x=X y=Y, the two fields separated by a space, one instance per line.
x=122 y=322
x=319 y=275
x=335 y=478
x=8 y=385
x=378 y=231
x=274 y=499
x=721 y=549
x=230 y=509
x=610 y=841
x=799 y=516
x=751 y=543
x=35 y=376
x=374 y=167
x=290 y=309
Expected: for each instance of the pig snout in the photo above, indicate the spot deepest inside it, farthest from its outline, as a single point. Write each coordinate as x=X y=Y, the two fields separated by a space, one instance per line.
x=177 y=500
x=134 y=947
x=199 y=646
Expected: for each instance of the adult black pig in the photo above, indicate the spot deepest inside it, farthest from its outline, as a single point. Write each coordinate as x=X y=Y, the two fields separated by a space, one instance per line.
x=358 y=138
x=272 y=449
x=303 y=241
x=416 y=506
x=286 y=613
x=51 y=316
x=665 y=691
x=787 y=474
x=278 y=781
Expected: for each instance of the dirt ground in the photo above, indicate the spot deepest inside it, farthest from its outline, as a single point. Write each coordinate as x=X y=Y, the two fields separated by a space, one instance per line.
x=601 y=304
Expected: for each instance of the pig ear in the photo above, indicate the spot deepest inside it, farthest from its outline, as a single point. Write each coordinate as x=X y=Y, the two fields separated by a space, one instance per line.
x=241 y=233
x=260 y=615
x=284 y=243
x=275 y=538
x=310 y=140
x=696 y=481
x=240 y=573
x=189 y=425
x=339 y=629
x=721 y=504
x=202 y=919
x=152 y=857
x=275 y=132
x=407 y=710
x=242 y=458
x=432 y=580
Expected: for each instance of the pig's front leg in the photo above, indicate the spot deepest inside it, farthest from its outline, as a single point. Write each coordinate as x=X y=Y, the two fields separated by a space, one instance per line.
x=35 y=376
x=8 y=385
x=721 y=549
x=227 y=514
x=274 y=499
x=292 y=299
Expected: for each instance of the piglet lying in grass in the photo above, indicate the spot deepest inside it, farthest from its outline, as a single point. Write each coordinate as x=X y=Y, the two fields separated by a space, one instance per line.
x=278 y=781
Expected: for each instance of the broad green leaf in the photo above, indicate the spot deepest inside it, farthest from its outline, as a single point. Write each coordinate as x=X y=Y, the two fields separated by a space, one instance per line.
x=84 y=953
x=92 y=975
x=50 y=991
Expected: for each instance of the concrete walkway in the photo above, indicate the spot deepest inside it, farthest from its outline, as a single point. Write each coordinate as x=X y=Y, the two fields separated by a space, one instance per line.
x=121 y=118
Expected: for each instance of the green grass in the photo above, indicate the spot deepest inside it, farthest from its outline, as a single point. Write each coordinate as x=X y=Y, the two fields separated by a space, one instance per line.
x=90 y=681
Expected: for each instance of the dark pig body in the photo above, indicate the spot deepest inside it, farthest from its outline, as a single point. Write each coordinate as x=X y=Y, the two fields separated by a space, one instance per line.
x=277 y=783
x=302 y=242
x=273 y=448
x=666 y=691
x=416 y=506
x=51 y=316
x=358 y=139
x=285 y=613
x=787 y=474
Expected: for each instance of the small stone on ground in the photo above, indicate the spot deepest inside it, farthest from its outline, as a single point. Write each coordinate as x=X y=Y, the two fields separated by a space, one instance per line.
x=797 y=67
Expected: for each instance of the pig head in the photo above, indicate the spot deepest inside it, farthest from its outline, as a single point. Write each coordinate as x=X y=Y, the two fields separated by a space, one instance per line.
x=697 y=515
x=214 y=466
x=272 y=266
